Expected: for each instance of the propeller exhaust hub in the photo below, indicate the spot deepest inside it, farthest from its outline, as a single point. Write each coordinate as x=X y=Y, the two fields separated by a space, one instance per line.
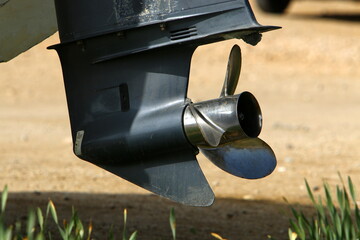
x=249 y=114
x=226 y=119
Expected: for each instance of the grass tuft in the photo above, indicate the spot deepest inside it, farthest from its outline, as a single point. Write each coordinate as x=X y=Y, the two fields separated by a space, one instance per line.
x=337 y=215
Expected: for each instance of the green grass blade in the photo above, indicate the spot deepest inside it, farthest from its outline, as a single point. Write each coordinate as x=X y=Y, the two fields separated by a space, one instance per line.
x=341 y=199
x=292 y=235
x=172 y=220
x=62 y=233
x=296 y=227
x=357 y=218
x=329 y=203
x=332 y=234
x=72 y=224
x=125 y=220
x=311 y=195
x=133 y=236
x=347 y=202
x=316 y=230
x=111 y=233
x=69 y=227
x=50 y=236
x=321 y=210
x=302 y=233
x=5 y=233
x=295 y=213
x=338 y=227
x=341 y=179
x=52 y=209
x=352 y=190
x=18 y=230
x=353 y=234
x=40 y=237
x=306 y=222
x=322 y=225
x=30 y=226
x=40 y=218
x=79 y=228
x=347 y=229
x=89 y=231
x=4 y=196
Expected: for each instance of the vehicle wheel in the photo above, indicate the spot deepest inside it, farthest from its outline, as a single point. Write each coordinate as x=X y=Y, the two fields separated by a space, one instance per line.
x=273 y=6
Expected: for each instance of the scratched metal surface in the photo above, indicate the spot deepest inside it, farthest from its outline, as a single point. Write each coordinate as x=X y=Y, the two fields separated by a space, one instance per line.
x=78 y=22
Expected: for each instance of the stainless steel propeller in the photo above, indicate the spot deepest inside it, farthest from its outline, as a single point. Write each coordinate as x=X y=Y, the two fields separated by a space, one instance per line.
x=226 y=129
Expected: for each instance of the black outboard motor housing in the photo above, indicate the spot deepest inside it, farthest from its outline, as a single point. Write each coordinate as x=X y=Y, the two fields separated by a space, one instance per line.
x=126 y=70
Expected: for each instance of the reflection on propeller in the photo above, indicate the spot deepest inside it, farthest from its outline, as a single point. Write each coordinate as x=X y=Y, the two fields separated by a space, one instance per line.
x=249 y=158
x=226 y=129
x=232 y=72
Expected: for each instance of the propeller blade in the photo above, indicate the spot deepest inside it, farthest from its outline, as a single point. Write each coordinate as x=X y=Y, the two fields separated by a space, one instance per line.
x=232 y=72
x=211 y=132
x=249 y=158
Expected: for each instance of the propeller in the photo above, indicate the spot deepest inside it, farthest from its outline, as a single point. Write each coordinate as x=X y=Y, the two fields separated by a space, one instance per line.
x=226 y=129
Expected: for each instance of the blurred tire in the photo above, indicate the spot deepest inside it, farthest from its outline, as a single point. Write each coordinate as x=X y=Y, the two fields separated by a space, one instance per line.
x=273 y=6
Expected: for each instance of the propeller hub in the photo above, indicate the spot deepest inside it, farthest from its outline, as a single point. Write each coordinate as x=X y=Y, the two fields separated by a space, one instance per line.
x=226 y=119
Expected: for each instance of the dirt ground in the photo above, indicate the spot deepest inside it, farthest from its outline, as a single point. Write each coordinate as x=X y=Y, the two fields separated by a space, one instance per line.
x=306 y=77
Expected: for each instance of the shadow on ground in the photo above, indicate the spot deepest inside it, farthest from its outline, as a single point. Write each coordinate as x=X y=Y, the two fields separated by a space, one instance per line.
x=149 y=214
x=348 y=17
x=342 y=17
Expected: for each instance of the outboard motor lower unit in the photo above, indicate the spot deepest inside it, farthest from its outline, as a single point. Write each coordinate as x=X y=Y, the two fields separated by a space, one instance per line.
x=126 y=70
